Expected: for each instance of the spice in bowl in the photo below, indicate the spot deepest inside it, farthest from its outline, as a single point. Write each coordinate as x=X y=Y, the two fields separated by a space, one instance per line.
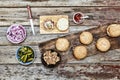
x=16 y=33
x=25 y=55
x=50 y=58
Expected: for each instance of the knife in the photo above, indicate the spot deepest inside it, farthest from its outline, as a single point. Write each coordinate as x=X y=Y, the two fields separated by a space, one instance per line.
x=31 y=20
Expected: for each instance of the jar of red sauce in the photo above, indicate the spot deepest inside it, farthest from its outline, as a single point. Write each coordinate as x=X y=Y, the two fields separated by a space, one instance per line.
x=78 y=17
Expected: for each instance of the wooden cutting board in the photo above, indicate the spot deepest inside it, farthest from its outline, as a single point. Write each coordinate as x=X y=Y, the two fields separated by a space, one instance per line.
x=98 y=32
x=54 y=18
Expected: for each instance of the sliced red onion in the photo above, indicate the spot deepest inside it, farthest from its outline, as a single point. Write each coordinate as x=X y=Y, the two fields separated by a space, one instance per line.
x=16 y=33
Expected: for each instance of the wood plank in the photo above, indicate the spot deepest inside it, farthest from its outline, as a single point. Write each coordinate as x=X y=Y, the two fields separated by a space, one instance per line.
x=14 y=11
x=97 y=33
x=7 y=56
x=38 y=38
x=98 y=15
x=112 y=56
x=23 y=3
x=62 y=72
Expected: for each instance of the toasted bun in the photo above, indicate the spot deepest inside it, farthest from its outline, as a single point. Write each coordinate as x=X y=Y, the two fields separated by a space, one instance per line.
x=80 y=52
x=103 y=44
x=86 y=37
x=113 y=30
x=62 y=44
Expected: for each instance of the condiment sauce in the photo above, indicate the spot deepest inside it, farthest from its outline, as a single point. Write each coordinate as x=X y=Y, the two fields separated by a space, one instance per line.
x=77 y=17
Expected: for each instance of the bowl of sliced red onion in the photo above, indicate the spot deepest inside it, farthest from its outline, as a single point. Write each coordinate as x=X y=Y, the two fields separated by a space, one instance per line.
x=16 y=33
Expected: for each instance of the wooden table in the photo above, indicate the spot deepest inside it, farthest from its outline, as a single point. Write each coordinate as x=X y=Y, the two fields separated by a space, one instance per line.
x=97 y=67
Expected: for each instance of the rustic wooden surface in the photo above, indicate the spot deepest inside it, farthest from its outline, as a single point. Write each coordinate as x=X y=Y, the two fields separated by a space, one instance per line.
x=97 y=67
x=98 y=32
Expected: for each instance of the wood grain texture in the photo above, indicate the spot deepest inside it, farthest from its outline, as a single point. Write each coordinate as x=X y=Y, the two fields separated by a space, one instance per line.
x=62 y=72
x=49 y=3
x=97 y=15
x=95 y=67
x=35 y=40
x=98 y=32
x=8 y=50
x=7 y=56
